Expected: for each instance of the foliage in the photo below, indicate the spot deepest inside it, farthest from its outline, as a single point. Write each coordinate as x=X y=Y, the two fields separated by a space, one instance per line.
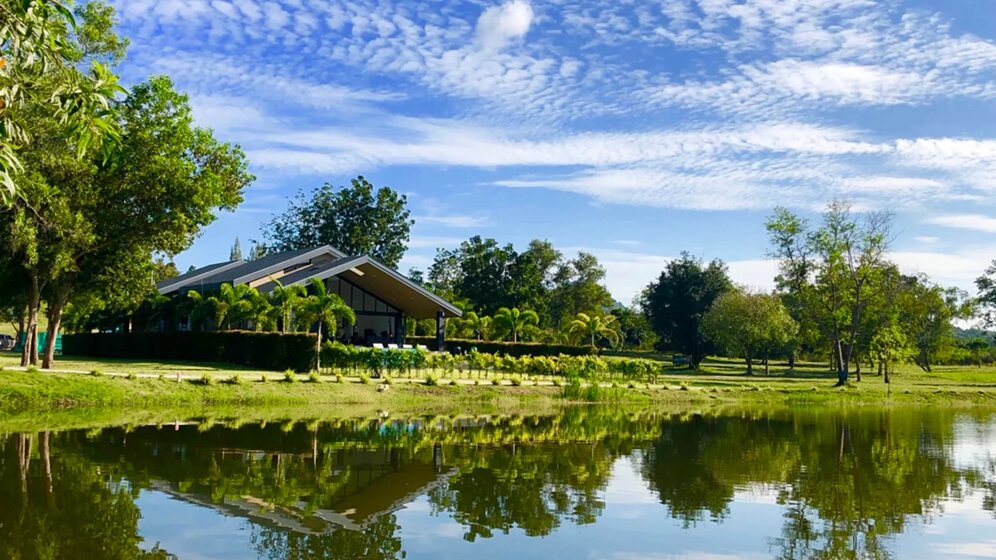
x=594 y=327
x=748 y=325
x=834 y=273
x=273 y=351
x=513 y=321
x=326 y=309
x=509 y=348
x=358 y=220
x=675 y=304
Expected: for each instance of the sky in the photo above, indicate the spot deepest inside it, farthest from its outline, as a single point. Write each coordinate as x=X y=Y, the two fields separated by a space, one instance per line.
x=630 y=129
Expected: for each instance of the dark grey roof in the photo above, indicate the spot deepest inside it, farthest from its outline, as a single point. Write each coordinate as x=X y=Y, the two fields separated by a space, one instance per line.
x=173 y=284
x=241 y=272
x=320 y=271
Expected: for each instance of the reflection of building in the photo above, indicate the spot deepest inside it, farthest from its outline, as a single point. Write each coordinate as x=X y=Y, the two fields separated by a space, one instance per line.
x=381 y=297
x=370 y=484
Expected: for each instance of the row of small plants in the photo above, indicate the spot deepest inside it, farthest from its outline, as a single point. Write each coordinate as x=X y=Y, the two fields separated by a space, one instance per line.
x=377 y=363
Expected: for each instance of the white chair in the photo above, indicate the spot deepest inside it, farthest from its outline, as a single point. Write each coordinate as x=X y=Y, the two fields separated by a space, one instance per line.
x=422 y=347
x=377 y=346
x=407 y=346
x=392 y=346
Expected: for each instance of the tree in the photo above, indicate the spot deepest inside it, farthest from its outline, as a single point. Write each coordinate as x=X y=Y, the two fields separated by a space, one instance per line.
x=890 y=346
x=236 y=253
x=327 y=309
x=749 y=325
x=591 y=326
x=986 y=299
x=514 y=320
x=978 y=347
x=357 y=220
x=925 y=314
x=287 y=300
x=577 y=288
x=41 y=74
x=675 y=303
x=840 y=265
x=479 y=326
x=634 y=329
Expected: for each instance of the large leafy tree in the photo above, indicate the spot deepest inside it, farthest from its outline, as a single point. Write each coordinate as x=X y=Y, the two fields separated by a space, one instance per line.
x=88 y=231
x=577 y=288
x=359 y=220
x=839 y=269
x=43 y=71
x=749 y=325
x=676 y=302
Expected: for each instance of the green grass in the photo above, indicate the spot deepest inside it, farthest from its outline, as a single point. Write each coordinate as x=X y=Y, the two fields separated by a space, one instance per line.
x=149 y=385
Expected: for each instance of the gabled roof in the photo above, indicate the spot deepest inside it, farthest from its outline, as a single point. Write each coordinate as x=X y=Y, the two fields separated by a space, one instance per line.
x=241 y=272
x=383 y=281
x=194 y=276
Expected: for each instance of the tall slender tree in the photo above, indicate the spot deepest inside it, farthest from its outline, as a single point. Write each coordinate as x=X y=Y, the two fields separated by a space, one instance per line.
x=326 y=309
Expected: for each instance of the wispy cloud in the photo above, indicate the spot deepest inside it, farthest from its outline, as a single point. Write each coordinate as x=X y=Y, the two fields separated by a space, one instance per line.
x=974 y=222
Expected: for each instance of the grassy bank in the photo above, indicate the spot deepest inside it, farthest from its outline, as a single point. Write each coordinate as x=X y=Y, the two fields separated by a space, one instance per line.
x=146 y=386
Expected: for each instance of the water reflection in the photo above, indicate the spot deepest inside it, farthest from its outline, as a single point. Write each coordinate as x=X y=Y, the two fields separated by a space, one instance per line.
x=844 y=484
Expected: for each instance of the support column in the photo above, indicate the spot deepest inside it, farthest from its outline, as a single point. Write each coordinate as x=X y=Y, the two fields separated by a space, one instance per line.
x=399 y=329
x=440 y=330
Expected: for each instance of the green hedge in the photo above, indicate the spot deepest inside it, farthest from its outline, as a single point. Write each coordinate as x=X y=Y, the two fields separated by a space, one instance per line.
x=264 y=350
x=506 y=348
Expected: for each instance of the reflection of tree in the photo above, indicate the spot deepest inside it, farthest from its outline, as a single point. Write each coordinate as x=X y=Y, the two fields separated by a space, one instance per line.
x=378 y=541
x=60 y=506
x=847 y=480
x=534 y=488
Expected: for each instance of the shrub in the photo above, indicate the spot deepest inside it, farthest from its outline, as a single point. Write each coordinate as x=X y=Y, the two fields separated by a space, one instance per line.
x=207 y=379
x=431 y=381
x=131 y=376
x=290 y=376
x=262 y=378
x=507 y=348
x=96 y=373
x=235 y=380
x=314 y=377
x=365 y=379
x=338 y=378
x=32 y=369
x=516 y=381
x=264 y=350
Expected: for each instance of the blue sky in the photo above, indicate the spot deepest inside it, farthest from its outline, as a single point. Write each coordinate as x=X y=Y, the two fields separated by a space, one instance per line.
x=633 y=130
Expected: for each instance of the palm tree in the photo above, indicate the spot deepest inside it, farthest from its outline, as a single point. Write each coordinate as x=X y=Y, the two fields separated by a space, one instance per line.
x=326 y=308
x=480 y=326
x=203 y=307
x=287 y=299
x=592 y=326
x=236 y=304
x=261 y=312
x=514 y=320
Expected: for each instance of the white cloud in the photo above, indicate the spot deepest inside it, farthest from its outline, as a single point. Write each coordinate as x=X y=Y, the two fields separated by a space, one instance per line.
x=500 y=24
x=974 y=222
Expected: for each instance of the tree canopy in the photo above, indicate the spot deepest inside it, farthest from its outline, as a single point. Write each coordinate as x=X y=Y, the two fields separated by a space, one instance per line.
x=358 y=220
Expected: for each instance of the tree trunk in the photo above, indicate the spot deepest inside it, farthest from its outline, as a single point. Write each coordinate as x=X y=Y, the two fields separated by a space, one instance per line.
x=54 y=322
x=750 y=364
x=792 y=360
x=766 y=365
x=887 y=372
x=318 y=353
x=841 y=363
x=29 y=354
x=857 y=370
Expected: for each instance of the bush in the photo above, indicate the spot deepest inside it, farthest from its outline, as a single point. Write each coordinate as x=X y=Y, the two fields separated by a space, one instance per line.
x=235 y=380
x=207 y=379
x=508 y=348
x=365 y=379
x=314 y=377
x=32 y=369
x=264 y=350
x=131 y=376
x=290 y=376
x=96 y=373
x=431 y=381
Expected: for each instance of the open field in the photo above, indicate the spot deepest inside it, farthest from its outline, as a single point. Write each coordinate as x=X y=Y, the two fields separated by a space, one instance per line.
x=147 y=386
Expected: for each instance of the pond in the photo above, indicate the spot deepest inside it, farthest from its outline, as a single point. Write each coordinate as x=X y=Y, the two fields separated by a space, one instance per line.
x=587 y=483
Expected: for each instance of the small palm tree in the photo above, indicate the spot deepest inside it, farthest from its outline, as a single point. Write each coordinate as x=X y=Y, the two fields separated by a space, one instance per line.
x=591 y=326
x=202 y=308
x=236 y=301
x=326 y=308
x=287 y=299
x=514 y=320
x=480 y=326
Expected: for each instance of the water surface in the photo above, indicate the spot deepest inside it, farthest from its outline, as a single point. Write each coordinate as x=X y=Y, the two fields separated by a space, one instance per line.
x=589 y=483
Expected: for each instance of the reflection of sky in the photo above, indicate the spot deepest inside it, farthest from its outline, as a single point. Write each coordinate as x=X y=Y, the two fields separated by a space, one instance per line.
x=633 y=526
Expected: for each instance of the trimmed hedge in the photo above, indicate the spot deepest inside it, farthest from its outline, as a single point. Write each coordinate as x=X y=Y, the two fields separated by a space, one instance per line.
x=506 y=348
x=264 y=350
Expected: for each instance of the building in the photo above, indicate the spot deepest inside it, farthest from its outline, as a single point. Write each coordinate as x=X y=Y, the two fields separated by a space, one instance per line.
x=381 y=297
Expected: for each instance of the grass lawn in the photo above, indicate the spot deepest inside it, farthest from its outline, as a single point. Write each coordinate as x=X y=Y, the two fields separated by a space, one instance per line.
x=146 y=388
